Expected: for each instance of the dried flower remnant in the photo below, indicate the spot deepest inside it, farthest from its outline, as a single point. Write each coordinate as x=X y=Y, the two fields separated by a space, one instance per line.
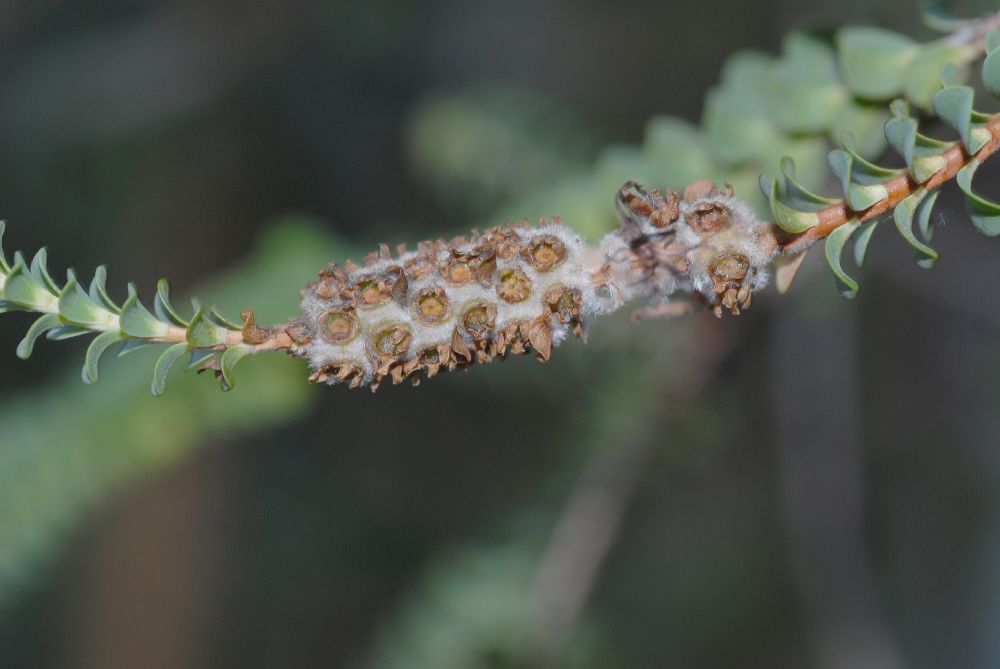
x=433 y=305
x=519 y=288
x=730 y=273
x=479 y=320
x=514 y=286
x=544 y=252
x=338 y=326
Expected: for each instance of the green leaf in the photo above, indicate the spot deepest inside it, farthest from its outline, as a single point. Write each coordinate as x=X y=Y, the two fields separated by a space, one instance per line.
x=861 y=241
x=924 y=220
x=788 y=219
x=798 y=194
x=874 y=62
x=939 y=15
x=22 y=288
x=99 y=291
x=136 y=321
x=903 y=216
x=993 y=41
x=954 y=105
x=230 y=359
x=163 y=308
x=991 y=66
x=40 y=271
x=985 y=213
x=64 y=332
x=834 y=248
x=859 y=195
x=75 y=306
x=37 y=329
x=200 y=357
x=204 y=333
x=220 y=319
x=101 y=343
x=4 y=266
x=923 y=77
x=132 y=345
x=163 y=365
x=923 y=155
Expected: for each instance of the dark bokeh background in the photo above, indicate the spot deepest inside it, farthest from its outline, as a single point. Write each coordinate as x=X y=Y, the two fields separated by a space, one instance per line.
x=827 y=499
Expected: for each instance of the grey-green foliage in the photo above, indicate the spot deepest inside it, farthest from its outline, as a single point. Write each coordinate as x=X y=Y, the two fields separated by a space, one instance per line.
x=472 y=610
x=864 y=184
x=70 y=311
x=764 y=109
x=66 y=447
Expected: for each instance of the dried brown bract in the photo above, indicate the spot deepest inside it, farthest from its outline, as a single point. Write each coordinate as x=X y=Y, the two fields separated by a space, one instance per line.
x=709 y=217
x=730 y=273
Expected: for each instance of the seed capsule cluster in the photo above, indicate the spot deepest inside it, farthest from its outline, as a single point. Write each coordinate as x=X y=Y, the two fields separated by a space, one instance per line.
x=706 y=243
x=519 y=288
x=447 y=305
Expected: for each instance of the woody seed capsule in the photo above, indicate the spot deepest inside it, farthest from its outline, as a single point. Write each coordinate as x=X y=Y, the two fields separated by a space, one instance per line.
x=514 y=286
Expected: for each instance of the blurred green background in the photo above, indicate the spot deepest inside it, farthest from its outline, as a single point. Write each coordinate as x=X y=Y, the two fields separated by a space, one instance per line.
x=812 y=485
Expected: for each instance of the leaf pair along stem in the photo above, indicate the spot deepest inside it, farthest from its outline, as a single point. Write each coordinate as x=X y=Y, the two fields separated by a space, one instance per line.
x=899 y=188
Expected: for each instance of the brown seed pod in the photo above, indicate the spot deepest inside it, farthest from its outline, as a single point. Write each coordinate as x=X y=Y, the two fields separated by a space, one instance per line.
x=733 y=292
x=479 y=319
x=544 y=252
x=457 y=269
x=333 y=284
x=658 y=209
x=668 y=209
x=565 y=303
x=338 y=326
x=514 y=285
x=506 y=240
x=433 y=305
x=371 y=292
x=709 y=217
x=391 y=342
x=729 y=267
x=421 y=264
x=699 y=189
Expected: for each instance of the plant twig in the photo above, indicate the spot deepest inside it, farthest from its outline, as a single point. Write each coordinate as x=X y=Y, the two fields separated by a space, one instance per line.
x=899 y=188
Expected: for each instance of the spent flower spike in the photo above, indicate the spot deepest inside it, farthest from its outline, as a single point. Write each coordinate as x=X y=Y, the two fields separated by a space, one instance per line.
x=519 y=288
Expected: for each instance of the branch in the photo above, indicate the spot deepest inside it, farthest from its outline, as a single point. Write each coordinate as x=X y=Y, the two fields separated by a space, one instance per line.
x=899 y=188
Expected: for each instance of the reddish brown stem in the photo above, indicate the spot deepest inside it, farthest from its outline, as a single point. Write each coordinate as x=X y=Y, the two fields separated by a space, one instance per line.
x=899 y=189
